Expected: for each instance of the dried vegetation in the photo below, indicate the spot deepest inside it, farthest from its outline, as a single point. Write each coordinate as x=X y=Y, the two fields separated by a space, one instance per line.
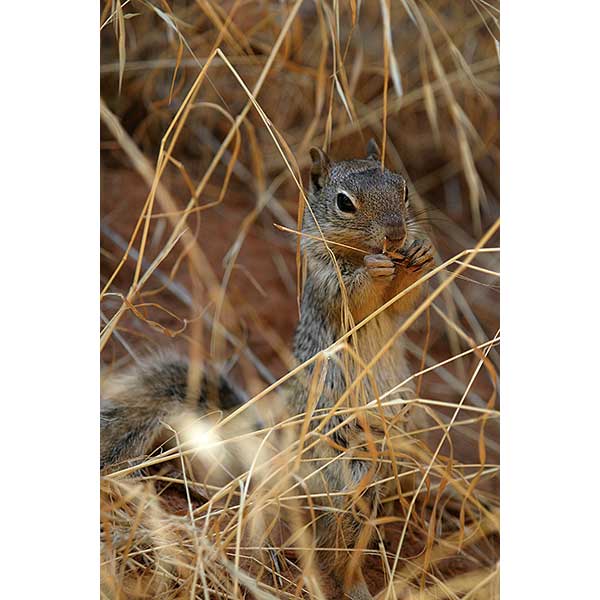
x=208 y=111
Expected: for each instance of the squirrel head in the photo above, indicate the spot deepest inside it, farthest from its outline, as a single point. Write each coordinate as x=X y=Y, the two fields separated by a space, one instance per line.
x=356 y=203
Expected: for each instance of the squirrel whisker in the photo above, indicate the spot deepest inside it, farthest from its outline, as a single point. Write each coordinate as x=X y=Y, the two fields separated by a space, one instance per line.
x=316 y=237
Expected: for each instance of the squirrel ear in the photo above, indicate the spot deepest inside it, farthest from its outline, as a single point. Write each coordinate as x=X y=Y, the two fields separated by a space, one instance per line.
x=373 y=150
x=320 y=167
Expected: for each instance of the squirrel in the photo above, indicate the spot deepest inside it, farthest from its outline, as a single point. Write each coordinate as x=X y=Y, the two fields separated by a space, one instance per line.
x=362 y=210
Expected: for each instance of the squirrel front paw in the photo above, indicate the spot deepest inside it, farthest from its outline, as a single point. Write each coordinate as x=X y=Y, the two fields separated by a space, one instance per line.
x=416 y=257
x=380 y=267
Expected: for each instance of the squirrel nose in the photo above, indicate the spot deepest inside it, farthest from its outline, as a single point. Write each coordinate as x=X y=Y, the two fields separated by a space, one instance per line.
x=395 y=233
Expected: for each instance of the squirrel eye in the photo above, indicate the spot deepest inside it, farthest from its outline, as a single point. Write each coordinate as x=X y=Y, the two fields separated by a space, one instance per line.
x=406 y=195
x=345 y=204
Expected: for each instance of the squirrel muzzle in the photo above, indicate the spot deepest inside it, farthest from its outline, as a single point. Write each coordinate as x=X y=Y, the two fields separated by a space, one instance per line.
x=395 y=234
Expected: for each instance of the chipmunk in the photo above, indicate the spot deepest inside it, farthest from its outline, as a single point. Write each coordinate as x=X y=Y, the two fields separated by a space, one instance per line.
x=362 y=211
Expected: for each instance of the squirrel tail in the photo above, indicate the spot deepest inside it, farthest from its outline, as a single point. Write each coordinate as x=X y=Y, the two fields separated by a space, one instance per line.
x=135 y=405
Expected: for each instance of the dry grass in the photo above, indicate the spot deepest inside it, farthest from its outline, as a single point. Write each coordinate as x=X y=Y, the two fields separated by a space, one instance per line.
x=208 y=111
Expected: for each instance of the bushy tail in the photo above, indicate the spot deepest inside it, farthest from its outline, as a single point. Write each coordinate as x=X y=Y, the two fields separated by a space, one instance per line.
x=136 y=405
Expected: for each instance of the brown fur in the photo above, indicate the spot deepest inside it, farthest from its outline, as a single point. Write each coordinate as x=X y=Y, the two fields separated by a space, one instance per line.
x=341 y=290
x=136 y=404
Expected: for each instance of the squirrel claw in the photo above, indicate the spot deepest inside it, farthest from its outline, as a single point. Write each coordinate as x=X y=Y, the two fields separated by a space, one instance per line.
x=413 y=249
x=380 y=267
x=420 y=265
x=417 y=256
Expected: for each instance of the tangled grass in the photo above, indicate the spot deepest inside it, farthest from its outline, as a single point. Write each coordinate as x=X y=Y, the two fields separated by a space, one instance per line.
x=208 y=111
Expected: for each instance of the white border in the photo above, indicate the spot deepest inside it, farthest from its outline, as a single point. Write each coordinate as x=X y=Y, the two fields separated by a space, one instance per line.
x=550 y=324
x=549 y=307
x=49 y=280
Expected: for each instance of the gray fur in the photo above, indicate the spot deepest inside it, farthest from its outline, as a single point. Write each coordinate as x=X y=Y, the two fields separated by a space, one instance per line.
x=379 y=220
x=138 y=402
